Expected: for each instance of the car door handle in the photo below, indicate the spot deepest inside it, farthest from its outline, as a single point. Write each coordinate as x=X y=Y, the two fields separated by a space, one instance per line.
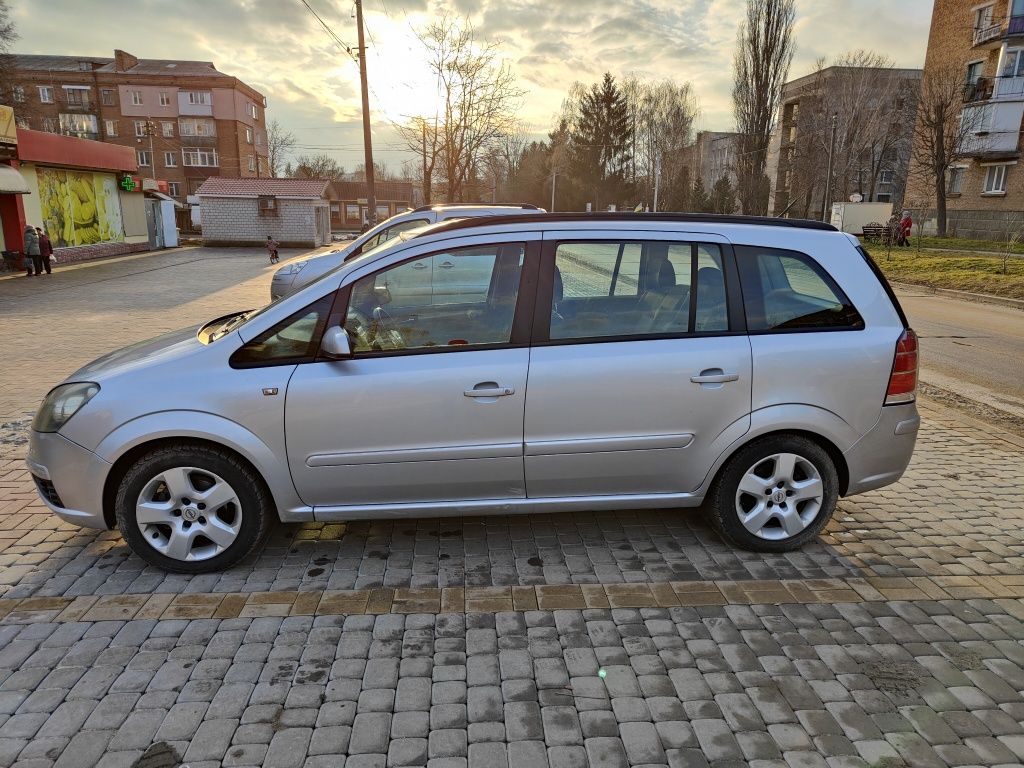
x=708 y=377
x=490 y=392
x=419 y=265
x=446 y=265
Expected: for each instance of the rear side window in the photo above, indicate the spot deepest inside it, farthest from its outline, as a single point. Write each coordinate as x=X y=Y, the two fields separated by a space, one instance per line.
x=787 y=290
x=621 y=289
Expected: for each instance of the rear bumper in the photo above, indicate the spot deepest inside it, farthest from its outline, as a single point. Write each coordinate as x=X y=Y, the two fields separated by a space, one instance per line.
x=881 y=456
x=73 y=476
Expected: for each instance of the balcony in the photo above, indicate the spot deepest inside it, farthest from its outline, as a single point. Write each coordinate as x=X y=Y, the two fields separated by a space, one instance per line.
x=987 y=34
x=79 y=105
x=979 y=90
x=1009 y=88
x=1015 y=27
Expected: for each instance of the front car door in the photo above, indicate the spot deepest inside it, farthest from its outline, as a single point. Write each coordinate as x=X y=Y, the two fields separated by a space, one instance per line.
x=640 y=371
x=430 y=406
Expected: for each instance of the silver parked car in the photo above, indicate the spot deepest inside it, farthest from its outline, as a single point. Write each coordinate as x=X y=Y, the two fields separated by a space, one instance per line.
x=505 y=365
x=298 y=274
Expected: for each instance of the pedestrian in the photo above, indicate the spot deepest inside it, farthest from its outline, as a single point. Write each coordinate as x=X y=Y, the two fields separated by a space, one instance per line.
x=906 y=223
x=272 y=246
x=45 y=250
x=32 y=254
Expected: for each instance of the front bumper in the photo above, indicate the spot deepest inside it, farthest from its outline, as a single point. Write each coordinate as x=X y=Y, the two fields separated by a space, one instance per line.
x=69 y=478
x=881 y=456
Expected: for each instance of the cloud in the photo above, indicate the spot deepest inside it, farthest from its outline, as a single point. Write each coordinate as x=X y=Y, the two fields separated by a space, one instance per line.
x=311 y=83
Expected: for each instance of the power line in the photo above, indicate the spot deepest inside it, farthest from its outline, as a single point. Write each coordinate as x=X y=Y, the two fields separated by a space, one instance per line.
x=327 y=28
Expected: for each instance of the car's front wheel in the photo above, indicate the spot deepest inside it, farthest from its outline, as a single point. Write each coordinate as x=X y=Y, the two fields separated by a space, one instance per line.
x=192 y=508
x=775 y=494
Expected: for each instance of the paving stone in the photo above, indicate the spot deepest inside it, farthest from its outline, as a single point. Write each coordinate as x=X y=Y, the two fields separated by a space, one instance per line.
x=604 y=752
x=370 y=733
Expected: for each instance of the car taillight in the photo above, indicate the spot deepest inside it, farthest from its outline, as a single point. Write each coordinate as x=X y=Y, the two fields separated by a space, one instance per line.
x=903 y=379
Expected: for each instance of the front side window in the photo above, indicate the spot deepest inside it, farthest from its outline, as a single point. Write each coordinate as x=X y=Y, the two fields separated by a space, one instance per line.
x=995 y=179
x=464 y=297
x=636 y=289
x=787 y=290
x=293 y=340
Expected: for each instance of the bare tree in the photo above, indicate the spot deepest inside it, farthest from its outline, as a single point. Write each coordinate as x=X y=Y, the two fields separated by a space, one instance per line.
x=321 y=166
x=479 y=99
x=662 y=115
x=280 y=144
x=944 y=133
x=764 y=51
x=874 y=106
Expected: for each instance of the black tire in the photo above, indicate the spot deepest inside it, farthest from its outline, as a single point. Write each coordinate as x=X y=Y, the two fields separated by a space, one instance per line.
x=257 y=512
x=723 y=512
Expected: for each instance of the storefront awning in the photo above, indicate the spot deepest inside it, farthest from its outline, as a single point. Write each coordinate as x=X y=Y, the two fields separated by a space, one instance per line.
x=12 y=182
x=162 y=196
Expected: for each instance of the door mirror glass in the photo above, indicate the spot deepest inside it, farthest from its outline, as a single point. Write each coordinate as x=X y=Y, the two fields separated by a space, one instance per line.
x=335 y=343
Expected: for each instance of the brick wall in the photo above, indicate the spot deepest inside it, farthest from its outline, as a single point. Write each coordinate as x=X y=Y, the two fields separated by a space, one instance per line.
x=78 y=253
x=237 y=221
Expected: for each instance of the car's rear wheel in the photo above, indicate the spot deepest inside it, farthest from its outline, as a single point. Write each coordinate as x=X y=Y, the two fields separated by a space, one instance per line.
x=775 y=494
x=193 y=508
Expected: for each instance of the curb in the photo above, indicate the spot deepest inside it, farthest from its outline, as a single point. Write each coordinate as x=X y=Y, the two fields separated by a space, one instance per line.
x=984 y=298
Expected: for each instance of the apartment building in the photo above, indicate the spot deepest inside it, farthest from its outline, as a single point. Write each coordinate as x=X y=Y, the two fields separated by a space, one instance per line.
x=712 y=156
x=984 y=43
x=185 y=120
x=873 y=111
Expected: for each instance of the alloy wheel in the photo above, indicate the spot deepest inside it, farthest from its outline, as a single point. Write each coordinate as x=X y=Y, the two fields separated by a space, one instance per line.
x=779 y=496
x=188 y=514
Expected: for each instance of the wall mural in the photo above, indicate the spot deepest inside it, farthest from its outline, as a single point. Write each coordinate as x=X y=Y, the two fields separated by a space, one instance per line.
x=79 y=207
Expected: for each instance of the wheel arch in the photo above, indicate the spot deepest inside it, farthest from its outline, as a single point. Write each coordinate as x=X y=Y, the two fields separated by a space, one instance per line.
x=122 y=447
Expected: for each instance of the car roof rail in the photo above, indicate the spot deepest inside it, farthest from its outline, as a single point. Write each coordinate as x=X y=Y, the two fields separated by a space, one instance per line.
x=524 y=206
x=693 y=218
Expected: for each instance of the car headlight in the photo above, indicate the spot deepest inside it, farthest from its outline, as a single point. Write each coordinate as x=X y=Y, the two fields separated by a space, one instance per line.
x=61 y=404
x=294 y=269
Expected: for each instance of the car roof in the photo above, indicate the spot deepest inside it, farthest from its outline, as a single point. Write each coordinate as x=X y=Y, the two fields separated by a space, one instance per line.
x=597 y=219
x=445 y=207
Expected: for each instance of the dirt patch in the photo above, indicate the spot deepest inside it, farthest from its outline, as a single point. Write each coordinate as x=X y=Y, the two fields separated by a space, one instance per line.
x=896 y=677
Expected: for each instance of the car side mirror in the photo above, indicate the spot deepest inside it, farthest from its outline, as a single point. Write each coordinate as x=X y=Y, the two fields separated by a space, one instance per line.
x=335 y=344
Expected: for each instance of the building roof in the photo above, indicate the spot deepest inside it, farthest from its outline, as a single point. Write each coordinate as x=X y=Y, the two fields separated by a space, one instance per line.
x=217 y=186
x=169 y=67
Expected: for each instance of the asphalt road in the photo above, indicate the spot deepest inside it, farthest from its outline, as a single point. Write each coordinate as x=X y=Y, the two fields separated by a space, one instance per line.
x=973 y=349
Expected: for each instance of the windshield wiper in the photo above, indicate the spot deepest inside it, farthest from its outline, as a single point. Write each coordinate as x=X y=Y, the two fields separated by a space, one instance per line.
x=234 y=322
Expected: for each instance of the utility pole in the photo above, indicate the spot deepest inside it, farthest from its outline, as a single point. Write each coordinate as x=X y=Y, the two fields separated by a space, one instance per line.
x=426 y=179
x=825 y=213
x=554 y=175
x=371 y=196
x=657 y=182
x=150 y=130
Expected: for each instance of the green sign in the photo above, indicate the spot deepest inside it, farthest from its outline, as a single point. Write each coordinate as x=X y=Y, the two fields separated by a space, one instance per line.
x=128 y=184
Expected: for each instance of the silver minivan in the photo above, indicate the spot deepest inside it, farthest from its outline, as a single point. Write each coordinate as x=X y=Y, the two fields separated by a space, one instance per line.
x=567 y=362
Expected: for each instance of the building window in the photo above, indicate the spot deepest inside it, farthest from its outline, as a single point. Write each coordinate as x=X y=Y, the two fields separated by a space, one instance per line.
x=110 y=126
x=1013 y=63
x=46 y=94
x=107 y=97
x=974 y=70
x=51 y=124
x=199 y=157
x=22 y=122
x=82 y=126
x=203 y=98
x=885 y=177
x=136 y=98
x=76 y=96
x=173 y=188
x=995 y=180
x=140 y=127
x=197 y=126
x=259 y=140
x=956 y=180
x=144 y=157
x=983 y=17
x=165 y=99
x=248 y=135
x=170 y=160
x=19 y=93
x=251 y=109
x=167 y=129
x=252 y=164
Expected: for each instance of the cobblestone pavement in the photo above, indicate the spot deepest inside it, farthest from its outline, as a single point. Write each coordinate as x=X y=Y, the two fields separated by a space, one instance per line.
x=629 y=638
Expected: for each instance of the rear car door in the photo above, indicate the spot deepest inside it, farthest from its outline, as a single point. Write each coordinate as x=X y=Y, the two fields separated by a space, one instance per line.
x=640 y=369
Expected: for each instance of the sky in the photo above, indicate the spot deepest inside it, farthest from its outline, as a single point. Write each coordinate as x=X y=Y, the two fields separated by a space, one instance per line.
x=312 y=85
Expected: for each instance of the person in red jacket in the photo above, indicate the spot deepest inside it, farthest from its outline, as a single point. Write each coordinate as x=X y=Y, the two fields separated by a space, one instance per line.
x=906 y=223
x=45 y=250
